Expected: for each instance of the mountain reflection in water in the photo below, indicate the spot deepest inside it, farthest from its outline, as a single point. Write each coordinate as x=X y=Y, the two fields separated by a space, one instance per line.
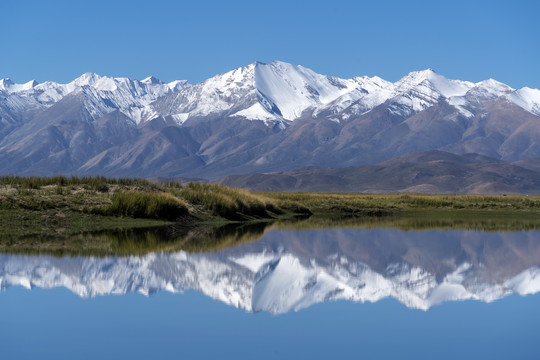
x=287 y=270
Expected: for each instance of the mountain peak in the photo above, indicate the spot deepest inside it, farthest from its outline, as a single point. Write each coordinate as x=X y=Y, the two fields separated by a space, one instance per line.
x=8 y=85
x=489 y=89
x=151 y=80
x=30 y=84
x=417 y=76
x=293 y=89
x=490 y=81
x=435 y=81
x=5 y=83
x=88 y=78
x=178 y=84
x=427 y=72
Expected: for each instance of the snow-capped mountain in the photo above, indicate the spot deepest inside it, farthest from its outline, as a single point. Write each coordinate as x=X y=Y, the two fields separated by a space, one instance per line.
x=288 y=270
x=256 y=118
x=274 y=92
x=105 y=94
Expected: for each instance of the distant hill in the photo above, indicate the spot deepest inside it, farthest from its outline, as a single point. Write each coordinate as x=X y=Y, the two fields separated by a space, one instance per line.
x=423 y=172
x=531 y=164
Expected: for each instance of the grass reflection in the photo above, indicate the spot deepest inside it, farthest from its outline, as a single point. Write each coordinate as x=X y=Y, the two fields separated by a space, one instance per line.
x=204 y=238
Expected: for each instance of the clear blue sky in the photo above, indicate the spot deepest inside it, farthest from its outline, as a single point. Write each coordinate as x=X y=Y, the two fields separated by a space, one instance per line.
x=470 y=40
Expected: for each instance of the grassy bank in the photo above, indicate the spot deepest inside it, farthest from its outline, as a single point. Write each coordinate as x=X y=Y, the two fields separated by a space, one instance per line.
x=62 y=207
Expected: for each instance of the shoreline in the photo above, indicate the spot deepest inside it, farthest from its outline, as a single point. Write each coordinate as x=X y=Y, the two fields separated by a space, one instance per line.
x=36 y=211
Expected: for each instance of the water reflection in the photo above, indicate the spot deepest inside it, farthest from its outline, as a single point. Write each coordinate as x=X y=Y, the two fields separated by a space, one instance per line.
x=213 y=238
x=287 y=270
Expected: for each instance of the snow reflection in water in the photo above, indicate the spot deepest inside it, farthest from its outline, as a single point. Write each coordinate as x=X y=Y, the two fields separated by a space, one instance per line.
x=288 y=270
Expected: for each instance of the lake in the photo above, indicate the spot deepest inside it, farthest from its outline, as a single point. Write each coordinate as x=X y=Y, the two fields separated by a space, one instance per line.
x=370 y=292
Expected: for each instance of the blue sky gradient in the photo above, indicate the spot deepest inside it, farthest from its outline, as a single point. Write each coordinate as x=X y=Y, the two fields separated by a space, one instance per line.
x=59 y=40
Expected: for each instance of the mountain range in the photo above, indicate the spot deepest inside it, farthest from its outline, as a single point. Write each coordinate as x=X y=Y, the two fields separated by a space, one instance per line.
x=256 y=119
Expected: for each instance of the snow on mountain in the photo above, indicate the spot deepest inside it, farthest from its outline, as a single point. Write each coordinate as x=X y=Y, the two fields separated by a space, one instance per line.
x=419 y=90
x=221 y=95
x=481 y=92
x=487 y=90
x=177 y=85
x=31 y=95
x=256 y=112
x=128 y=96
x=294 y=89
x=274 y=92
x=106 y=93
x=367 y=94
x=10 y=87
x=5 y=84
x=432 y=81
x=151 y=80
x=222 y=92
x=526 y=98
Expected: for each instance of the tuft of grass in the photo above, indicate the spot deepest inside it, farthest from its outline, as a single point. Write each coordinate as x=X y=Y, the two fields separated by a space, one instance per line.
x=139 y=204
x=229 y=203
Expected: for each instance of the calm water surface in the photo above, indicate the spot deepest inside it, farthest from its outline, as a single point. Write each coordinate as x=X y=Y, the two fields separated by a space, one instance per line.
x=377 y=293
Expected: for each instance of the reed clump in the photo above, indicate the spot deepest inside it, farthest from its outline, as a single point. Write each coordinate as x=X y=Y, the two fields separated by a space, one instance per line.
x=229 y=203
x=140 y=204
